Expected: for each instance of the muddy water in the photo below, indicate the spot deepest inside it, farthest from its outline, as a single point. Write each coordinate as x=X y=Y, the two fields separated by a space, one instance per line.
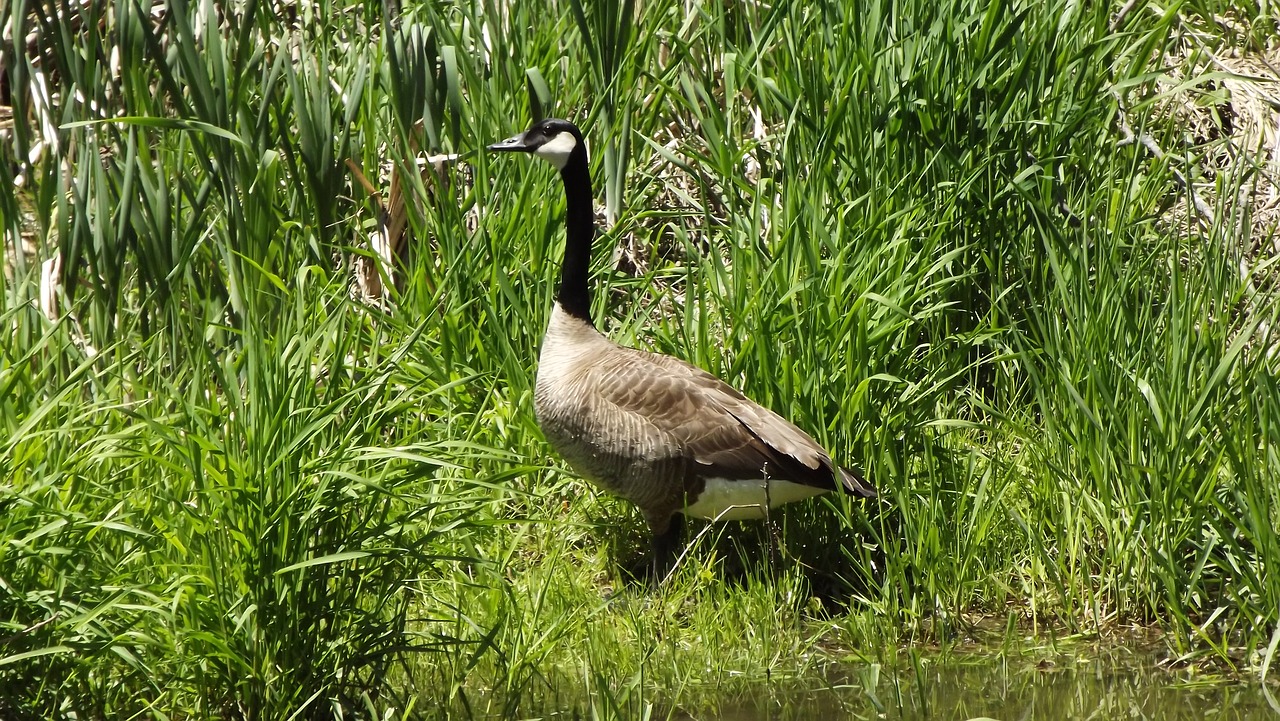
x=978 y=688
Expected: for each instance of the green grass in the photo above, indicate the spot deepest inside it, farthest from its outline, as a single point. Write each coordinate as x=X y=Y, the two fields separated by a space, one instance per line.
x=229 y=490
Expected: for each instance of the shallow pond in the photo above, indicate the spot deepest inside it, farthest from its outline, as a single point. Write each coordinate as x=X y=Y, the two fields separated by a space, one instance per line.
x=995 y=688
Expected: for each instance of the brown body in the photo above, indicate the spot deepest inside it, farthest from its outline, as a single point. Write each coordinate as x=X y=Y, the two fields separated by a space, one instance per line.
x=657 y=431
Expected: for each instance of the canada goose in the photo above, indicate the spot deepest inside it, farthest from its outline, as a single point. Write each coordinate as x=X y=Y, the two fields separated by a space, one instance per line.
x=664 y=434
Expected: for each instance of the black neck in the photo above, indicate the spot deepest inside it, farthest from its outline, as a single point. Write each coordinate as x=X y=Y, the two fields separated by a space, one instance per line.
x=580 y=229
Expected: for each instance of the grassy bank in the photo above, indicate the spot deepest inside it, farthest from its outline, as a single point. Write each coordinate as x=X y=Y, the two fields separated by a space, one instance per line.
x=1016 y=260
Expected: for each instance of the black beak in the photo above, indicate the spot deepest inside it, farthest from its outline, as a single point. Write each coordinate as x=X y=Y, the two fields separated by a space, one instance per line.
x=514 y=144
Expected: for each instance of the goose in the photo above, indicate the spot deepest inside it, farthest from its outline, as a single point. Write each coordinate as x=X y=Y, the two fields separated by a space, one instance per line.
x=666 y=435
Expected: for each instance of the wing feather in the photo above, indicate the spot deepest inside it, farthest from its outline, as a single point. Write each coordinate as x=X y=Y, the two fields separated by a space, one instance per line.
x=714 y=424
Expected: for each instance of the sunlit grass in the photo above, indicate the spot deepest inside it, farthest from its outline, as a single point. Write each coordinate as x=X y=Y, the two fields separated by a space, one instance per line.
x=917 y=229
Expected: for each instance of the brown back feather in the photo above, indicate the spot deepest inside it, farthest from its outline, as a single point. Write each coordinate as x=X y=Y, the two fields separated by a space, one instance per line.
x=725 y=433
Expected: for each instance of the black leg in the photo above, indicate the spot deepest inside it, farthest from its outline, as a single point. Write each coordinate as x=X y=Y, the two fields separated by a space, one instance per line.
x=666 y=546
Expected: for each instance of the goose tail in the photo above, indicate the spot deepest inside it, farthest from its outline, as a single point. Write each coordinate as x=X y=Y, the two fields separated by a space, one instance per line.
x=855 y=484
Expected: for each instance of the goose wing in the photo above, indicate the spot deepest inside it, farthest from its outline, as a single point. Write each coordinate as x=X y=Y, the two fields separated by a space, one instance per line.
x=711 y=422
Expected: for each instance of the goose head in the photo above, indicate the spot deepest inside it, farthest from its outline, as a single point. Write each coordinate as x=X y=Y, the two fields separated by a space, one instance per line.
x=554 y=140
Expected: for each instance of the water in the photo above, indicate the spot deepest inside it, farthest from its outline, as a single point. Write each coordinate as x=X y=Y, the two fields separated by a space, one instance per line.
x=995 y=688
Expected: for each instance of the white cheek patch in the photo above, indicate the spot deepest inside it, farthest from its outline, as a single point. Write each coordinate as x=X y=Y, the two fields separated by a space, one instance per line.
x=557 y=150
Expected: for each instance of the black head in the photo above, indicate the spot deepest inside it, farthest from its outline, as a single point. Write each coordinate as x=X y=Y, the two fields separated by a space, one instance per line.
x=554 y=140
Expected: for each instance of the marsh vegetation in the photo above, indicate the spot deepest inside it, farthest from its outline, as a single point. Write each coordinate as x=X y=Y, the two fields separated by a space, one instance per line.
x=267 y=447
